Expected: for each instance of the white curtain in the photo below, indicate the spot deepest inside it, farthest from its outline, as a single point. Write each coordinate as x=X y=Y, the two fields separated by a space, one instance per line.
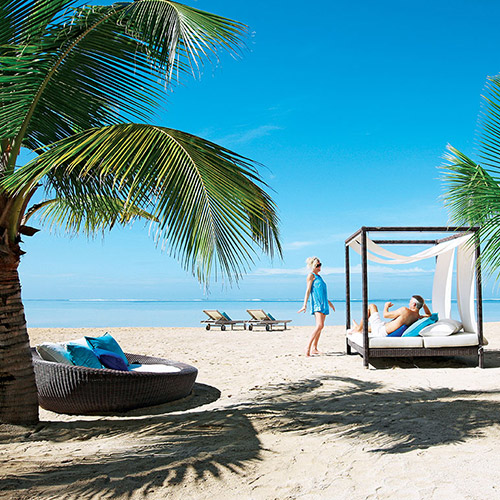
x=441 y=289
x=466 y=267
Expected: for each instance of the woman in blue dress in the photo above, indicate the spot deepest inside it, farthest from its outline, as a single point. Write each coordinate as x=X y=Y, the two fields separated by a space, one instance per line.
x=316 y=289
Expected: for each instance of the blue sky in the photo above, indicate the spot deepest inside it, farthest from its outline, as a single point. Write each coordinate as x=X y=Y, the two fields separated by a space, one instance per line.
x=348 y=105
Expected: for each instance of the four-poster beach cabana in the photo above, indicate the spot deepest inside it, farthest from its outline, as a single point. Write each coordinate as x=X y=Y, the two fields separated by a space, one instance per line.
x=465 y=245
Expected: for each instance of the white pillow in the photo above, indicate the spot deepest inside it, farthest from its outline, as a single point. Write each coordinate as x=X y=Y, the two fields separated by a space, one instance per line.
x=441 y=328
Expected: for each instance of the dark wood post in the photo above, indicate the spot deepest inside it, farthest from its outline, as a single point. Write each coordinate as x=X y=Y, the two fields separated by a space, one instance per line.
x=479 y=304
x=364 y=280
x=347 y=297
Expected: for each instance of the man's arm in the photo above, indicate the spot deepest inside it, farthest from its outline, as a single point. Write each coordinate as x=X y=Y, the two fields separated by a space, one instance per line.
x=426 y=310
x=391 y=314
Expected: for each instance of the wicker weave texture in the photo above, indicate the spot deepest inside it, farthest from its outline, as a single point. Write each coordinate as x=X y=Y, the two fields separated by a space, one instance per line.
x=85 y=391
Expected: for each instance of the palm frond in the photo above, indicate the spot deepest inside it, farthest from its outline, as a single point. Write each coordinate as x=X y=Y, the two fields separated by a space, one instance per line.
x=24 y=20
x=174 y=32
x=473 y=199
x=88 y=215
x=103 y=65
x=489 y=126
x=209 y=201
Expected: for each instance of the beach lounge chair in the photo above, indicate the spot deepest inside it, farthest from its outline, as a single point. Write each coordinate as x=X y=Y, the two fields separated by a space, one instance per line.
x=221 y=319
x=79 y=390
x=261 y=318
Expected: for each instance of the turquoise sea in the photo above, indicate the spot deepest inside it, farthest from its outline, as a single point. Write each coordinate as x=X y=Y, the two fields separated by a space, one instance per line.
x=107 y=313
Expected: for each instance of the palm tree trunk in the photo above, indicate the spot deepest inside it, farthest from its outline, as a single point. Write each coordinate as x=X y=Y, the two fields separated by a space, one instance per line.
x=18 y=395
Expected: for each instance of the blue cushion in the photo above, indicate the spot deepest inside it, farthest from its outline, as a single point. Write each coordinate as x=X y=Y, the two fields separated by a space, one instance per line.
x=271 y=317
x=399 y=332
x=225 y=316
x=82 y=356
x=111 y=360
x=414 y=330
x=108 y=343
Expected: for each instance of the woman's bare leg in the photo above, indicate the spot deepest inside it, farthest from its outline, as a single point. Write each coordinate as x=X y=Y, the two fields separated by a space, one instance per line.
x=312 y=346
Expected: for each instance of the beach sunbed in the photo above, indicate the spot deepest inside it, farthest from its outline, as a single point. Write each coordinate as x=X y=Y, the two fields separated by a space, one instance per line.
x=80 y=390
x=221 y=320
x=261 y=318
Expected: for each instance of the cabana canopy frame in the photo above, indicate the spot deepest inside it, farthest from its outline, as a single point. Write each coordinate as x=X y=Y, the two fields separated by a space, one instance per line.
x=365 y=350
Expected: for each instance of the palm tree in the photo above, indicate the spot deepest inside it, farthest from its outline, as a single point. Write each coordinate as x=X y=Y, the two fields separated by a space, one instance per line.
x=473 y=190
x=72 y=78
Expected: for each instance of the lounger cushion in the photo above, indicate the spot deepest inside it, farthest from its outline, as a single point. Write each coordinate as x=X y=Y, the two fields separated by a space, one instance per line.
x=388 y=342
x=108 y=343
x=154 y=368
x=55 y=352
x=111 y=360
x=414 y=330
x=271 y=317
x=461 y=339
x=83 y=356
x=225 y=316
x=442 y=328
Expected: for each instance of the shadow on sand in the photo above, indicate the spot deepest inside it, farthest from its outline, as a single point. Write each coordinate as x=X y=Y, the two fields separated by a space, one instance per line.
x=153 y=451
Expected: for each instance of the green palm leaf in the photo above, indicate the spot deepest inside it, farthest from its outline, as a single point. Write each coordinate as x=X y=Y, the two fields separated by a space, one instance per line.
x=87 y=214
x=473 y=198
x=102 y=65
x=210 y=202
x=24 y=20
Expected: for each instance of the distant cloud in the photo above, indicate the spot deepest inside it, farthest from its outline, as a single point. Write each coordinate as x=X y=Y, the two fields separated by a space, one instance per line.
x=248 y=135
x=275 y=272
x=302 y=271
x=297 y=245
x=332 y=238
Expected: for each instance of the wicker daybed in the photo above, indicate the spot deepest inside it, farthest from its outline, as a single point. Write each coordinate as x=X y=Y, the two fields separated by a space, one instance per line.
x=85 y=391
x=467 y=343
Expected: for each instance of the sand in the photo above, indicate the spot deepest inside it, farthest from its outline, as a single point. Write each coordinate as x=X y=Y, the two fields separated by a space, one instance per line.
x=266 y=422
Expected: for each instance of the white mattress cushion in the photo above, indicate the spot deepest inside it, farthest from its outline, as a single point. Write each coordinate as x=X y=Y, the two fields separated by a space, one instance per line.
x=461 y=339
x=388 y=342
x=158 y=368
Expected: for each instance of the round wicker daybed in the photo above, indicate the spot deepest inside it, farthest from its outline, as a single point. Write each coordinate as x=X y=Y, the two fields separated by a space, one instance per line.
x=85 y=391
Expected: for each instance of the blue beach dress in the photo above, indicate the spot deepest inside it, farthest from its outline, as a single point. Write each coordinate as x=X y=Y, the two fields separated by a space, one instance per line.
x=319 y=296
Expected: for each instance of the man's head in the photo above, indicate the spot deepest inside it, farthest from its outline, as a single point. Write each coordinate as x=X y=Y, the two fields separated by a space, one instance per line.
x=416 y=302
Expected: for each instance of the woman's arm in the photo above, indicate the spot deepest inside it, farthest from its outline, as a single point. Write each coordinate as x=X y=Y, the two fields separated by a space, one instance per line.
x=332 y=306
x=310 y=279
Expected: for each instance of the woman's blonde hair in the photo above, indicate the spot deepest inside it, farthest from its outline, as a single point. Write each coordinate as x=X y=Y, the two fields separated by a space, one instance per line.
x=311 y=262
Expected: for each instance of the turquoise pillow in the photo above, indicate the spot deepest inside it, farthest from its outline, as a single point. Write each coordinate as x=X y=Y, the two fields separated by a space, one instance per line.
x=108 y=343
x=271 y=317
x=225 y=316
x=82 y=356
x=414 y=330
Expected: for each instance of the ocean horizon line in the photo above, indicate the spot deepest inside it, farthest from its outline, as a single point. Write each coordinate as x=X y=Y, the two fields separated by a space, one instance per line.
x=215 y=300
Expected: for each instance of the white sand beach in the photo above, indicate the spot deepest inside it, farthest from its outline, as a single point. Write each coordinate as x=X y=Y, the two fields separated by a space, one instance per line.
x=266 y=422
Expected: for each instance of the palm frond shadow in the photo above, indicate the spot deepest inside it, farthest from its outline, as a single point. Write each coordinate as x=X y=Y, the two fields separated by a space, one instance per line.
x=171 y=449
x=389 y=422
x=149 y=453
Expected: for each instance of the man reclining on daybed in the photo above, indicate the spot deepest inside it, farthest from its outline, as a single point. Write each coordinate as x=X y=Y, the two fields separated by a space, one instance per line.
x=401 y=318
